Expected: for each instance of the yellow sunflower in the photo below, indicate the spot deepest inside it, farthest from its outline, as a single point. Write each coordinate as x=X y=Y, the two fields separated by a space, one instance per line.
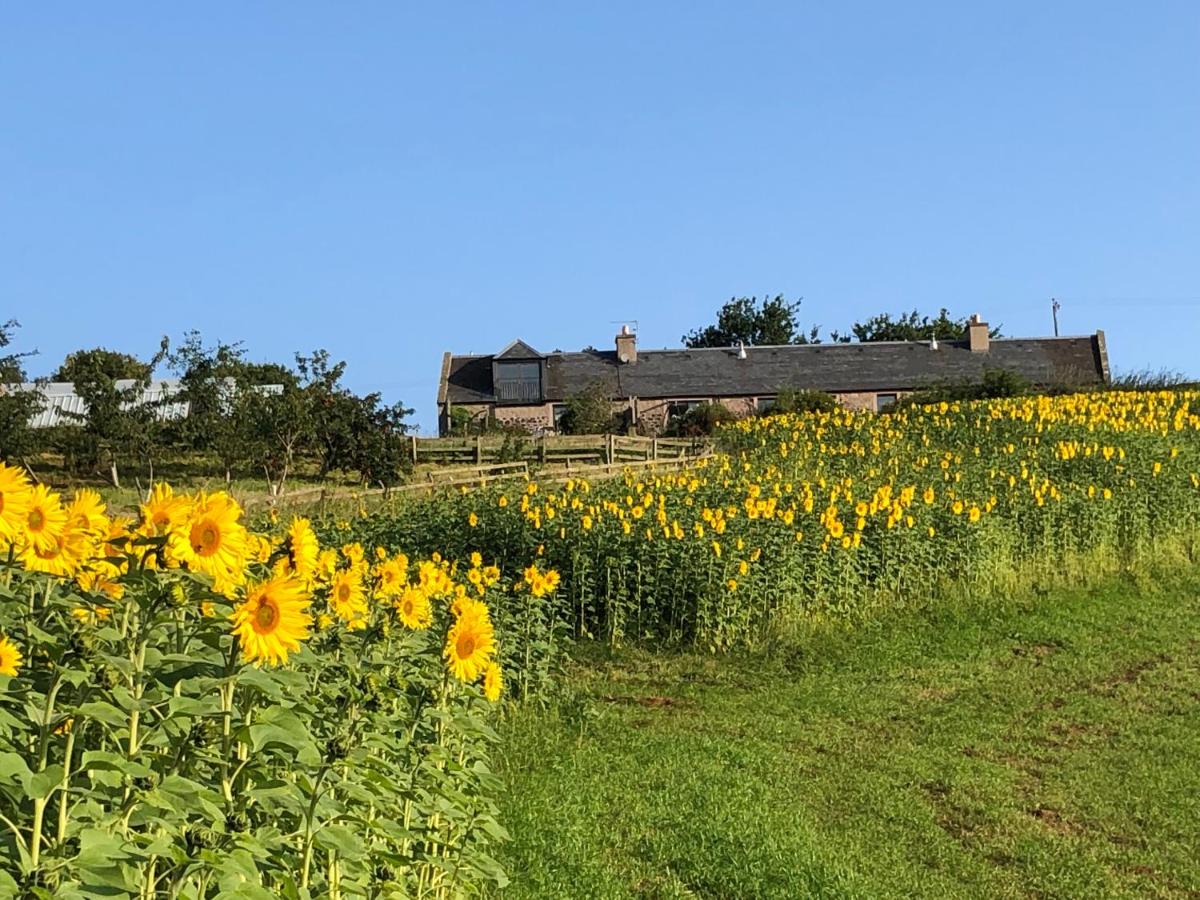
x=469 y=606
x=45 y=519
x=86 y=512
x=272 y=621
x=14 y=502
x=99 y=579
x=469 y=646
x=347 y=598
x=213 y=540
x=392 y=575
x=64 y=558
x=116 y=539
x=303 y=548
x=163 y=512
x=413 y=609
x=10 y=657
x=493 y=682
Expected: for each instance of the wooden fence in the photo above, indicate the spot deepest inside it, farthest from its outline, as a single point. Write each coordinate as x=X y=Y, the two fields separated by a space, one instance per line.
x=588 y=449
x=469 y=476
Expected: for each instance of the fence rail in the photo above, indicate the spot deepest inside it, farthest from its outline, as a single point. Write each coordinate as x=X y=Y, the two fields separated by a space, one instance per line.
x=604 y=449
x=469 y=476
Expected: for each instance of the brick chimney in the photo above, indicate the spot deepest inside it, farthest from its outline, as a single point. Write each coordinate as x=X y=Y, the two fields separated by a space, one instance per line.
x=627 y=346
x=977 y=334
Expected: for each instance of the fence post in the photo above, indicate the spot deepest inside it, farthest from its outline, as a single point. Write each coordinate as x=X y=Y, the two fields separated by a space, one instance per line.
x=542 y=450
x=654 y=448
x=414 y=449
x=609 y=450
x=479 y=450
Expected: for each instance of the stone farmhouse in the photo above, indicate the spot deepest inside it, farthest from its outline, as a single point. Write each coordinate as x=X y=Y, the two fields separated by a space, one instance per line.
x=520 y=386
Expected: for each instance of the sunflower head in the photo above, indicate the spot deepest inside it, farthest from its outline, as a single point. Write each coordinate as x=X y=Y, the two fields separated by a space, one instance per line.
x=493 y=682
x=413 y=608
x=347 y=598
x=14 y=502
x=10 y=658
x=44 y=520
x=303 y=547
x=469 y=647
x=87 y=513
x=272 y=621
x=163 y=512
x=213 y=541
x=64 y=557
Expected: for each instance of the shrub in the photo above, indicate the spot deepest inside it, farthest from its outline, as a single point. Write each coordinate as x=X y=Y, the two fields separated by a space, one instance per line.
x=590 y=412
x=700 y=421
x=995 y=384
x=796 y=400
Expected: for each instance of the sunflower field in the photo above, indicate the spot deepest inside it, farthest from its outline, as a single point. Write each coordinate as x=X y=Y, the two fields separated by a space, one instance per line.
x=827 y=516
x=192 y=709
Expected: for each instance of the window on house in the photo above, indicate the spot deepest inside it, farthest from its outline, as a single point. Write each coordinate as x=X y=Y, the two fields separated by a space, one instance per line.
x=678 y=408
x=518 y=381
x=764 y=404
x=560 y=410
x=883 y=402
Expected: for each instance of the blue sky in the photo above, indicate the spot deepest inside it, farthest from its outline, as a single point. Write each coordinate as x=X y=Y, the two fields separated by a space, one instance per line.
x=390 y=181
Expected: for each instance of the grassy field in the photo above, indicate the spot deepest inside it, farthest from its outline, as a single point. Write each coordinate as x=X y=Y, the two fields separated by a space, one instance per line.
x=1049 y=748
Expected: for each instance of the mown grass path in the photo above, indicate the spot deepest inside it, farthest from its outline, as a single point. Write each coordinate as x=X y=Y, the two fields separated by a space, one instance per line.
x=1046 y=748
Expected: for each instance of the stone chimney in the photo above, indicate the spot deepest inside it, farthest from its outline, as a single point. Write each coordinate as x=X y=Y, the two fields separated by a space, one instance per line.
x=627 y=346
x=977 y=334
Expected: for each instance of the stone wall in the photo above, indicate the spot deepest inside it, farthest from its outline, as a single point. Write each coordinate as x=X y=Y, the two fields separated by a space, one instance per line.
x=651 y=414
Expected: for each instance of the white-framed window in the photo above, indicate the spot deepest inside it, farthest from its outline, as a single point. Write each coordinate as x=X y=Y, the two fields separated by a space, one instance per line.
x=884 y=402
x=559 y=410
x=764 y=404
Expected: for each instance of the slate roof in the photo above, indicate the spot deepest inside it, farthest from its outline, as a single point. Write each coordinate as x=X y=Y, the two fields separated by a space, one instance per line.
x=837 y=368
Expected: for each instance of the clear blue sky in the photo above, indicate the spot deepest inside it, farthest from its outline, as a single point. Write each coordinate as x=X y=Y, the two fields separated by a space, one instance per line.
x=389 y=181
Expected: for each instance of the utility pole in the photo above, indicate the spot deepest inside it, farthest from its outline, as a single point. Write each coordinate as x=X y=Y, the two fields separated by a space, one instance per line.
x=1055 y=306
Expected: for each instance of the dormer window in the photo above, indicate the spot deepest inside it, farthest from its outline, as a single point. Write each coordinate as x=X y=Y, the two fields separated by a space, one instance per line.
x=518 y=381
x=517 y=374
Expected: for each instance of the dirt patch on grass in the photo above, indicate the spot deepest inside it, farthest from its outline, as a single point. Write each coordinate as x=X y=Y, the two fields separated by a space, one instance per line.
x=1108 y=687
x=650 y=702
x=1055 y=821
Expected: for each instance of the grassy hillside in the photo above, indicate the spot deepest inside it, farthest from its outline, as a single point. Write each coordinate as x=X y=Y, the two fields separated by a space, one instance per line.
x=1048 y=748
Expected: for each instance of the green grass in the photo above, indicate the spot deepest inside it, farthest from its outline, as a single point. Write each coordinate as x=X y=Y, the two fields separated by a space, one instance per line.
x=1046 y=748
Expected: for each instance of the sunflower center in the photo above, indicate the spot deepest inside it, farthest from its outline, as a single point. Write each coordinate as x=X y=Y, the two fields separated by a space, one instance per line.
x=266 y=617
x=206 y=538
x=37 y=520
x=465 y=646
x=344 y=593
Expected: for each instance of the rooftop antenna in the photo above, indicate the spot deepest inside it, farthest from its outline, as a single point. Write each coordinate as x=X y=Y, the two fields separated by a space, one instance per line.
x=627 y=322
x=1055 y=306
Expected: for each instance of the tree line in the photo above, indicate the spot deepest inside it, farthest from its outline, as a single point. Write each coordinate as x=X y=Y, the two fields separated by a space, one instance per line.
x=774 y=321
x=261 y=419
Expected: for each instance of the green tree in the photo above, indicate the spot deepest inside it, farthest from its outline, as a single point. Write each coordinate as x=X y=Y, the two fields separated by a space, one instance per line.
x=118 y=424
x=112 y=364
x=214 y=382
x=748 y=321
x=17 y=407
x=911 y=326
x=351 y=432
x=798 y=400
x=700 y=421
